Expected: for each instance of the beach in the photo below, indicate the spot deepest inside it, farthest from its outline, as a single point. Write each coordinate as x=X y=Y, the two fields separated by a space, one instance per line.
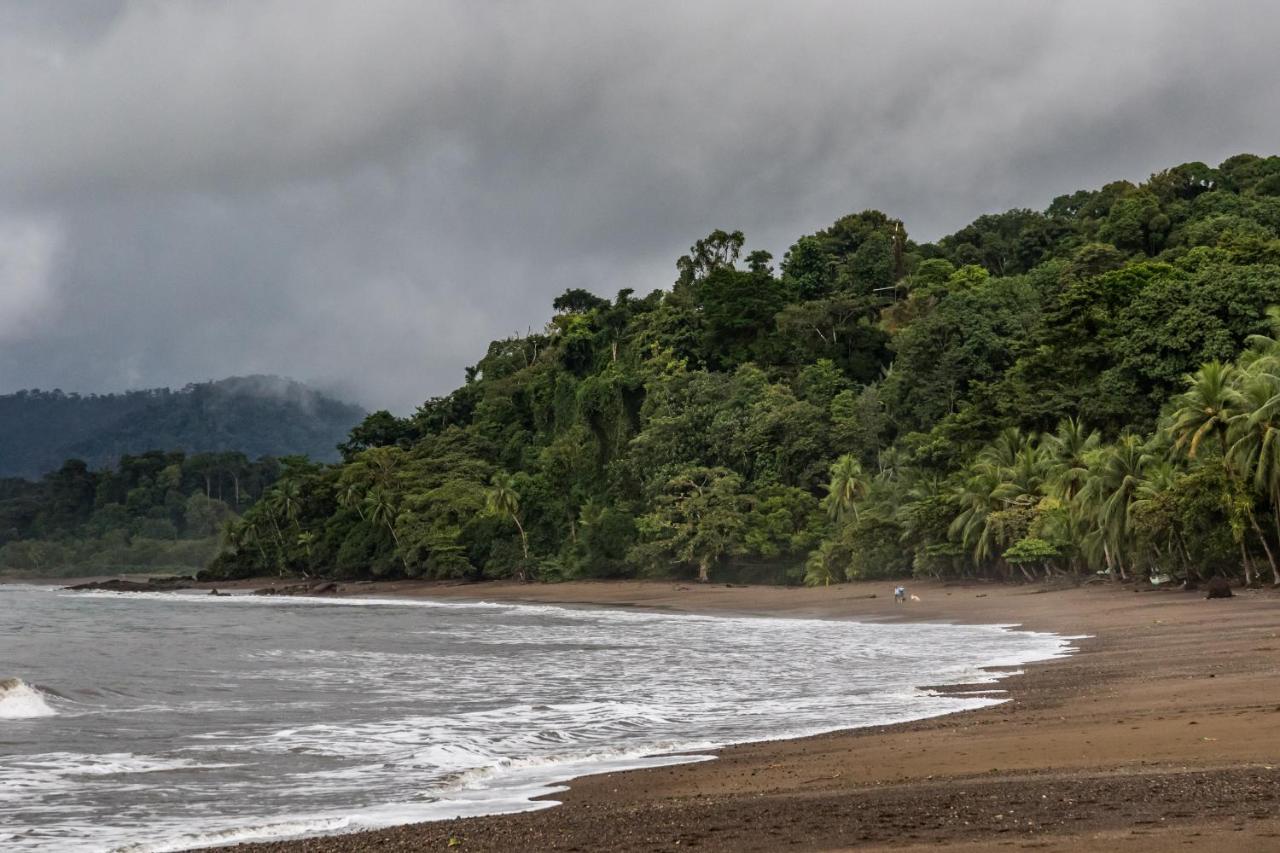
x=1161 y=732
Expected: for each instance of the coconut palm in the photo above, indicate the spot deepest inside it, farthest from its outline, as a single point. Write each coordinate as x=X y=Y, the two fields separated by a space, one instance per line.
x=1262 y=352
x=1254 y=453
x=820 y=568
x=283 y=505
x=921 y=489
x=285 y=501
x=1116 y=473
x=1205 y=409
x=1025 y=478
x=502 y=499
x=1003 y=452
x=306 y=540
x=978 y=497
x=1066 y=448
x=383 y=508
x=382 y=464
x=351 y=496
x=848 y=486
x=1150 y=503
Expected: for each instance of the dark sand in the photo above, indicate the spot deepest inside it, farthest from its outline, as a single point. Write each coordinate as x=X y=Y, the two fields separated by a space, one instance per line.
x=1162 y=733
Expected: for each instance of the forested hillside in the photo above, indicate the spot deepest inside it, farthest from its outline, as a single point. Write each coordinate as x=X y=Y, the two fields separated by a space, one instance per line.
x=153 y=512
x=254 y=415
x=1091 y=387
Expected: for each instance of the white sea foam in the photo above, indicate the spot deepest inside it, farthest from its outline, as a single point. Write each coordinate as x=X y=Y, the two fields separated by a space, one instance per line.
x=19 y=700
x=246 y=598
x=332 y=715
x=274 y=831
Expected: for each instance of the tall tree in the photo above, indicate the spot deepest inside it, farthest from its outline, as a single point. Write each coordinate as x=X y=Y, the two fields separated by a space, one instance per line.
x=503 y=500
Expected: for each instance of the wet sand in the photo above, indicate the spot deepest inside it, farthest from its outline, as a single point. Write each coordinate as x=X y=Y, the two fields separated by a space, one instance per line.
x=1161 y=733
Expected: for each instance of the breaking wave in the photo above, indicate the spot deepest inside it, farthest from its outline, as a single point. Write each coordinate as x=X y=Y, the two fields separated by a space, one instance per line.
x=336 y=715
x=19 y=700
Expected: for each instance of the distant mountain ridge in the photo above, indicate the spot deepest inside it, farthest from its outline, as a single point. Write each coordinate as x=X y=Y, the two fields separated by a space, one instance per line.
x=256 y=415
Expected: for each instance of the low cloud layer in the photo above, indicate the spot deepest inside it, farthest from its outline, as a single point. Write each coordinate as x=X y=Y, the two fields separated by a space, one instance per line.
x=362 y=194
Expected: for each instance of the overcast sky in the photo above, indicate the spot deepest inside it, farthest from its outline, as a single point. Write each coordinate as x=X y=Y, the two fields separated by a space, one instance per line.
x=362 y=194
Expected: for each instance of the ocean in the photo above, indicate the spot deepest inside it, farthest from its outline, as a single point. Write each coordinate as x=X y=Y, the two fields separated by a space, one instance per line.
x=164 y=721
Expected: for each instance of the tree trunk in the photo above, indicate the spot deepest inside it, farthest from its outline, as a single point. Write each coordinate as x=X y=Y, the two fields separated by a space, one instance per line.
x=524 y=548
x=704 y=570
x=1271 y=560
x=524 y=540
x=1187 y=564
x=1248 y=565
x=1275 y=512
x=404 y=560
x=1106 y=555
x=279 y=536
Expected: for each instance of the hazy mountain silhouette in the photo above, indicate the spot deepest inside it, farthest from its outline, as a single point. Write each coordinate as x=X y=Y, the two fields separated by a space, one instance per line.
x=256 y=415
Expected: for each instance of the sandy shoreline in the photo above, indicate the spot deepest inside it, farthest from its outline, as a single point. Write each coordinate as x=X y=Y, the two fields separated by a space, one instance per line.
x=1162 y=731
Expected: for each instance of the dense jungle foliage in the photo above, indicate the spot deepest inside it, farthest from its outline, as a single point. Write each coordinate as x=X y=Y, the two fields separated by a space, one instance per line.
x=1090 y=388
x=153 y=512
x=254 y=415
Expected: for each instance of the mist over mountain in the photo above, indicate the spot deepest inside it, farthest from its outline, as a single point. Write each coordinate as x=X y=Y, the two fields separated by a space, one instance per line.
x=256 y=415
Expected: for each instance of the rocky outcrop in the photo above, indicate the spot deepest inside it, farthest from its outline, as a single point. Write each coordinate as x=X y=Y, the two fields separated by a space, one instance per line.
x=166 y=584
x=315 y=588
x=1218 y=587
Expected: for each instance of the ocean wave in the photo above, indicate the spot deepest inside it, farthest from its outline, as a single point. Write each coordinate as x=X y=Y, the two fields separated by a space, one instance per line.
x=247 y=598
x=336 y=715
x=19 y=701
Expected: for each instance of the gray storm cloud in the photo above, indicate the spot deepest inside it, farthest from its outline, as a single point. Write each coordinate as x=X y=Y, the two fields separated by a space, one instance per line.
x=362 y=194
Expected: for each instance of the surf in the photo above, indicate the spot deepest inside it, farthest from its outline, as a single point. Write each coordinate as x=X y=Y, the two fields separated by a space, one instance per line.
x=20 y=701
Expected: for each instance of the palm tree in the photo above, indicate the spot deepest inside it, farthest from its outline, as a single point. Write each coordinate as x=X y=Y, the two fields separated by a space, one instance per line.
x=306 y=539
x=848 y=486
x=1005 y=481
x=1067 y=447
x=1205 y=410
x=256 y=535
x=1116 y=475
x=283 y=504
x=1150 y=500
x=1255 y=452
x=351 y=496
x=920 y=489
x=503 y=499
x=977 y=497
x=242 y=534
x=1003 y=452
x=820 y=567
x=1025 y=477
x=1263 y=351
x=381 y=464
x=383 y=508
